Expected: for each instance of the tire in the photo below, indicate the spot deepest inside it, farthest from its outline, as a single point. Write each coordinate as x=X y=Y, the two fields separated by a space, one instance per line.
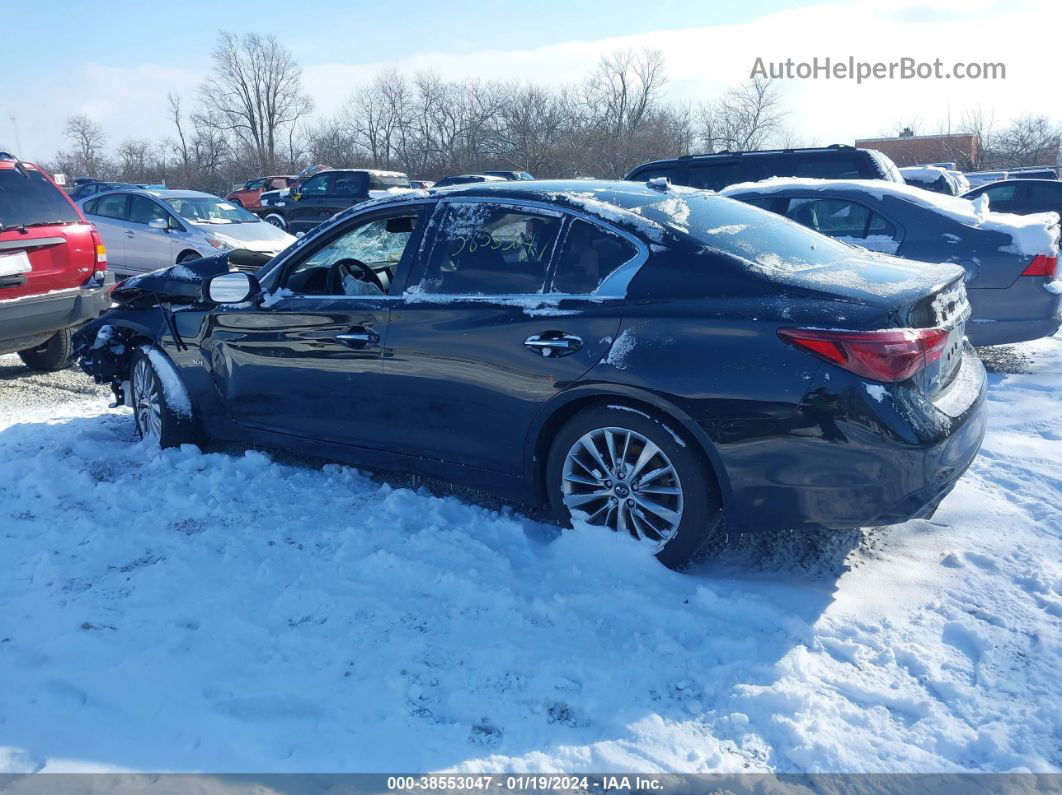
x=277 y=220
x=156 y=420
x=53 y=354
x=690 y=518
x=187 y=256
x=237 y=202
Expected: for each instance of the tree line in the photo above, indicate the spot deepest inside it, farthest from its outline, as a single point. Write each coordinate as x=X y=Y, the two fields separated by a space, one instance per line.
x=251 y=117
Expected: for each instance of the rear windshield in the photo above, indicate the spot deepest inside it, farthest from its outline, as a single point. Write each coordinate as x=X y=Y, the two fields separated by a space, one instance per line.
x=746 y=232
x=32 y=200
x=383 y=182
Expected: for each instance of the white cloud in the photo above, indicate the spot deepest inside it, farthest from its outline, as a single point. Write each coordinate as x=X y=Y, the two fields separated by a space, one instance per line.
x=701 y=63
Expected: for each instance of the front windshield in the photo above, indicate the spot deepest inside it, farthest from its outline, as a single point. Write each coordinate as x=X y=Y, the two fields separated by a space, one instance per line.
x=211 y=210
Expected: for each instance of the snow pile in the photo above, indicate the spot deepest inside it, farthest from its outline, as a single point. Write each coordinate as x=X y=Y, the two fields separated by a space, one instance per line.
x=1032 y=234
x=173 y=610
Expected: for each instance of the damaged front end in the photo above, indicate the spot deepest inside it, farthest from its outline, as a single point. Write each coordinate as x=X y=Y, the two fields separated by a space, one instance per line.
x=143 y=315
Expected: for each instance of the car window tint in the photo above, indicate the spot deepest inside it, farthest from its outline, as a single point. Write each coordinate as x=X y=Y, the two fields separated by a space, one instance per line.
x=833 y=217
x=1043 y=192
x=315 y=186
x=653 y=171
x=348 y=184
x=483 y=249
x=90 y=206
x=378 y=244
x=589 y=254
x=31 y=199
x=832 y=166
x=1002 y=193
x=142 y=210
x=112 y=206
x=713 y=176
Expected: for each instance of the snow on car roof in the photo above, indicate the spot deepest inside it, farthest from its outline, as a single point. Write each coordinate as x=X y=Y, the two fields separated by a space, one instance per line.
x=1032 y=234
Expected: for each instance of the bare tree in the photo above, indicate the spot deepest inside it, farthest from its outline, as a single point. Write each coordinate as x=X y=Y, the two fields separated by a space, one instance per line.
x=255 y=92
x=1030 y=140
x=746 y=117
x=86 y=156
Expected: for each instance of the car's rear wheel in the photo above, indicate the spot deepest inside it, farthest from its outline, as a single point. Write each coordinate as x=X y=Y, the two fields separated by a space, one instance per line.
x=53 y=354
x=237 y=202
x=631 y=472
x=276 y=220
x=156 y=419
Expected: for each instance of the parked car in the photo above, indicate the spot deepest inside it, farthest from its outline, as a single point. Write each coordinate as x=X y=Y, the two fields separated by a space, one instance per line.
x=1033 y=172
x=467 y=179
x=1010 y=262
x=630 y=354
x=934 y=178
x=247 y=196
x=978 y=178
x=269 y=197
x=145 y=230
x=327 y=193
x=53 y=267
x=86 y=189
x=1021 y=196
x=508 y=174
x=717 y=170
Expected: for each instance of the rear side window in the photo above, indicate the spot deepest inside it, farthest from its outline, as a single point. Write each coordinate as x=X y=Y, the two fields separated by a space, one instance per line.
x=484 y=249
x=839 y=218
x=385 y=181
x=32 y=200
x=826 y=166
x=716 y=175
x=349 y=184
x=1039 y=192
x=112 y=205
x=589 y=254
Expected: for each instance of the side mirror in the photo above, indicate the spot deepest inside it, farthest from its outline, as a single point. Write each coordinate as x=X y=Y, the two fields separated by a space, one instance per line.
x=159 y=223
x=231 y=288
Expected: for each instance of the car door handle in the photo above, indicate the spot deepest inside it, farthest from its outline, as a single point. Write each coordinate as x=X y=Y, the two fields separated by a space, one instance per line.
x=553 y=344
x=129 y=234
x=358 y=337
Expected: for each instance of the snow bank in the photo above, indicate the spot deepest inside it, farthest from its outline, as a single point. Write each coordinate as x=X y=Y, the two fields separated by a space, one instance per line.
x=175 y=610
x=1033 y=234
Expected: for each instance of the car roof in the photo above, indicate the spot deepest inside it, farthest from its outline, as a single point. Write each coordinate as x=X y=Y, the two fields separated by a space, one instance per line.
x=692 y=158
x=161 y=194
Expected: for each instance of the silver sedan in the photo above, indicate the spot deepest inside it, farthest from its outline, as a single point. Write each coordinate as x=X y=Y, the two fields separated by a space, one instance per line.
x=149 y=229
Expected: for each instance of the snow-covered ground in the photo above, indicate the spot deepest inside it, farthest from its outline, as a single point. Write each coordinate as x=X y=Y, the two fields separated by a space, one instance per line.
x=226 y=612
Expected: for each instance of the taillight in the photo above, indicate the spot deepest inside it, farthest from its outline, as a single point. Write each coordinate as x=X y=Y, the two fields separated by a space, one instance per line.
x=1042 y=265
x=100 y=263
x=894 y=355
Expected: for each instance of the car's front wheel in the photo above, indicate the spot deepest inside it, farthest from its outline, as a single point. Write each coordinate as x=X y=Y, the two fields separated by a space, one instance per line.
x=630 y=471
x=161 y=407
x=277 y=220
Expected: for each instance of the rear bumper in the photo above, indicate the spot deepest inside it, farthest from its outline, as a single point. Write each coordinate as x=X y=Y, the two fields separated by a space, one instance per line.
x=1025 y=311
x=860 y=457
x=26 y=322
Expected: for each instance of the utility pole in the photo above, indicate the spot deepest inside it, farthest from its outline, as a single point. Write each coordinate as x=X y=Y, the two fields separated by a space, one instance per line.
x=18 y=140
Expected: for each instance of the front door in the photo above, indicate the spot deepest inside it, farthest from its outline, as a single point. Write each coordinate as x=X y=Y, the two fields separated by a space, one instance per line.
x=307 y=360
x=147 y=248
x=501 y=315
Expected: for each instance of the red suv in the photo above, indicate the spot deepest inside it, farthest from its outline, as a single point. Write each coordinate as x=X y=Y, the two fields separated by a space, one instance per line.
x=53 y=267
x=247 y=196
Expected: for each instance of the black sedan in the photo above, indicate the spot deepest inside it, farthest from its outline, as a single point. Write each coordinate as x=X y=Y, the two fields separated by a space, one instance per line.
x=664 y=362
x=1022 y=196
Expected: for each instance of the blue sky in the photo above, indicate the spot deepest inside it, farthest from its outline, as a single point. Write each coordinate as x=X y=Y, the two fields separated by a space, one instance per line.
x=116 y=61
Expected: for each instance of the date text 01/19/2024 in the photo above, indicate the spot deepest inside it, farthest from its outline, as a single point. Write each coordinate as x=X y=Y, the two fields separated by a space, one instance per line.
x=481 y=783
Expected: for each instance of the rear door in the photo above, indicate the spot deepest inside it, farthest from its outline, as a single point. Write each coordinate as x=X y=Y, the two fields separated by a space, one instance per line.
x=846 y=220
x=1038 y=197
x=481 y=339
x=44 y=243
x=109 y=214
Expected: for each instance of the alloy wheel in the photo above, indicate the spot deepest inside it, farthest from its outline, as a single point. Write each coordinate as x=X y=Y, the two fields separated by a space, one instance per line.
x=620 y=479
x=147 y=404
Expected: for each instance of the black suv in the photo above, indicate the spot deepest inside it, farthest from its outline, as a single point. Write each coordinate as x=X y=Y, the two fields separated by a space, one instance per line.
x=720 y=169
x=326 y=193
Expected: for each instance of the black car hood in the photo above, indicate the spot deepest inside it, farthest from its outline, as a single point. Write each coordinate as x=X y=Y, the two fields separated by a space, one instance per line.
x=183 y=283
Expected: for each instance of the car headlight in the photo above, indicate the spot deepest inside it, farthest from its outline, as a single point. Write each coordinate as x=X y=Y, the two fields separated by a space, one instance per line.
x=221 y=243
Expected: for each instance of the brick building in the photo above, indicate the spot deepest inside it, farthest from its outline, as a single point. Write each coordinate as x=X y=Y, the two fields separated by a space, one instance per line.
x=963 y=149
